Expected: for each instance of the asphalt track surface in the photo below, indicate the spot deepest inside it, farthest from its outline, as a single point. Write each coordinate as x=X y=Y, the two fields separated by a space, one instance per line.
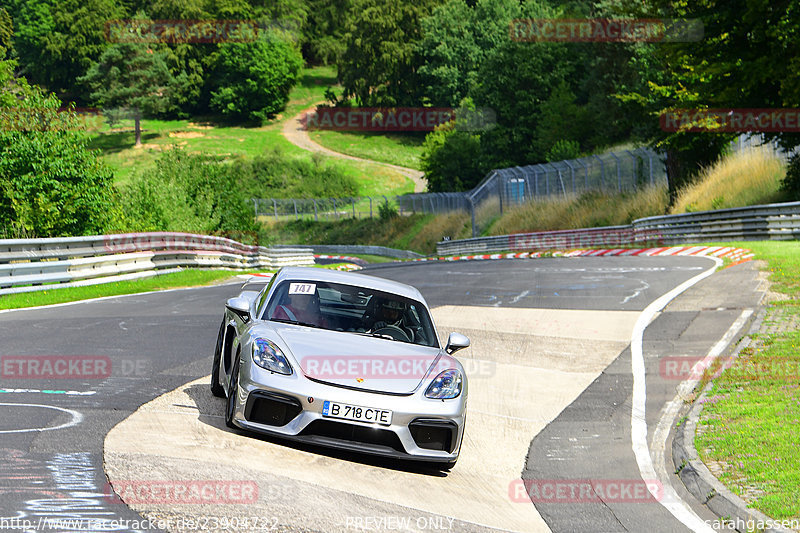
x=52 y=431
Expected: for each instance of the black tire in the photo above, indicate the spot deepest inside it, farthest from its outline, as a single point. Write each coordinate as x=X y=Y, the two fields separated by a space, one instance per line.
x=230 y=405
x=217 y=389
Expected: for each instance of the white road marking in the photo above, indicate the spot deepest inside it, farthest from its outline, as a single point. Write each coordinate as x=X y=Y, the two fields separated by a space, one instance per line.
x=48 y=391
x=520 y=296
x=76 y=418
x=670 y=500
x=636 y=292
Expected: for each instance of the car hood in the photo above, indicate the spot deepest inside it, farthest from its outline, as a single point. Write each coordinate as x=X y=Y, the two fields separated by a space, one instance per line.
x=358 y=361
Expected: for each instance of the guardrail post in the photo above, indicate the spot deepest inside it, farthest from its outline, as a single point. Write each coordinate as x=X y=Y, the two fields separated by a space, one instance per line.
x=335 y=211
x=275 y=208
x=354 y=207
x=296 y=217
x=316 y=218
x=370 y=206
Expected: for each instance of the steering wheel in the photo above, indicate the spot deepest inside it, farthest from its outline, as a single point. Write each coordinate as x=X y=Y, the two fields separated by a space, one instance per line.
x=394 y=332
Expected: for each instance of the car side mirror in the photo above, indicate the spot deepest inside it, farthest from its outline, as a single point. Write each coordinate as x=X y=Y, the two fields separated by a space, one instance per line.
x=456 y=342
x=240 y=306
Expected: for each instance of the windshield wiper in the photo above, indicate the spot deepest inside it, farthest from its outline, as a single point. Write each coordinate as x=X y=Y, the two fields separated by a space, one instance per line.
x=296 y=322
x=376 y=335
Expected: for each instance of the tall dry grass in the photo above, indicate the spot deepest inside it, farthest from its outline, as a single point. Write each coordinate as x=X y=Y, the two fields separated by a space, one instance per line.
x=455 y=225
x=748 y=177
x=590 y=209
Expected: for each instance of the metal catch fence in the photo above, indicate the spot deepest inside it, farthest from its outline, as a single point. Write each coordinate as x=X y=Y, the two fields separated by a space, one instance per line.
x=626 y=170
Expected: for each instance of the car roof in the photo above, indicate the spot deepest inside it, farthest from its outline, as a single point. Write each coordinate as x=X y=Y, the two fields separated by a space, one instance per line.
x=350 y=278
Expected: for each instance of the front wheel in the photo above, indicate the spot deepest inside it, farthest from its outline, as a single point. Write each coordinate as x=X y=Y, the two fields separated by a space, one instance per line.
x=233 y=393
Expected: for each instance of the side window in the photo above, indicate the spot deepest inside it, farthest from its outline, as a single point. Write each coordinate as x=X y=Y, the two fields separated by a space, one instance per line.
x=263 y=299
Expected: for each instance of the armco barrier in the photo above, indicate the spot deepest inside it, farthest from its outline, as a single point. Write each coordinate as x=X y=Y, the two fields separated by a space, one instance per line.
x=27 y=264
x=351 y=249
x=761 y=222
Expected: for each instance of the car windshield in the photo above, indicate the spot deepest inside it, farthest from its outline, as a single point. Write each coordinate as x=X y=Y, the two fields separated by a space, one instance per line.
x=353 y=309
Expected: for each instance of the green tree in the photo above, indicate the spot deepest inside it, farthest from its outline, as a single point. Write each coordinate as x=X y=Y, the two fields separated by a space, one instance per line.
x=56 y=41
x=380 y=62
x=6 y=33
x=196 y=59
x=51 y=184
x=450 y=156
x=456 y=38
x=253 y=79
x=135 y=76
x=747 y=58
x=448 y=159
x=560 y=120
x=324 y=29
x=287 y=17
x=516 y=80
x=191 y=62
x=563 y=149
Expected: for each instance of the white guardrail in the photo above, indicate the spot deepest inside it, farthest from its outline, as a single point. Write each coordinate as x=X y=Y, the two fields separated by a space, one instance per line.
x=40 y=264
x=761 y=222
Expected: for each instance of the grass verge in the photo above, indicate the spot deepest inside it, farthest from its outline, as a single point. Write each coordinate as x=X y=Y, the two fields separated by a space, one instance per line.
x=206 y=137
x=185 y=278
x=750 y=421
x=396 y=149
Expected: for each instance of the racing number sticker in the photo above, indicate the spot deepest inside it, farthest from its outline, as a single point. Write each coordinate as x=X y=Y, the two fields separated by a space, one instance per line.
x=302 y=288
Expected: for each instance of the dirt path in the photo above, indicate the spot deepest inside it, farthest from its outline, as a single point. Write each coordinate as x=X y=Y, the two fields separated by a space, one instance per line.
x=296 y=134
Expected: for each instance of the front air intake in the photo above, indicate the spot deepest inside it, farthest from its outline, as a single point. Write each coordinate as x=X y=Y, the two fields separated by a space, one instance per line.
x=431 y=434
x=271 y=409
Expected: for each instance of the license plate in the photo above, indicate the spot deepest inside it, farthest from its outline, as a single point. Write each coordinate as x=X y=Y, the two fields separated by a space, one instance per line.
x=356 y=412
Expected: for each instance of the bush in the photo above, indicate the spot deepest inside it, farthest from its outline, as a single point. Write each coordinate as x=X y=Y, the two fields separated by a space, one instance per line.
x=564 y=149
x=51 y=184
x=450 y=159
x=386 y=211
x=276 y=175
x=201 y=194
x=254 y=78
x=191 y=193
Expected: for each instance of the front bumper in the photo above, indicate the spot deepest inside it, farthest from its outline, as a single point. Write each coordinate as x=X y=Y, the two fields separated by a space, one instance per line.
x=421 y=429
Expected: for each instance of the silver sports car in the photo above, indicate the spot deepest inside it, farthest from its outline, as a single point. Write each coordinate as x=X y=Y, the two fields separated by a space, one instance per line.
x=343 y=360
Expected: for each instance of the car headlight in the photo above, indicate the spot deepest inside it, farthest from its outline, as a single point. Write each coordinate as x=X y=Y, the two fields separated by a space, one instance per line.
x=268 y=356
x=446 y=385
